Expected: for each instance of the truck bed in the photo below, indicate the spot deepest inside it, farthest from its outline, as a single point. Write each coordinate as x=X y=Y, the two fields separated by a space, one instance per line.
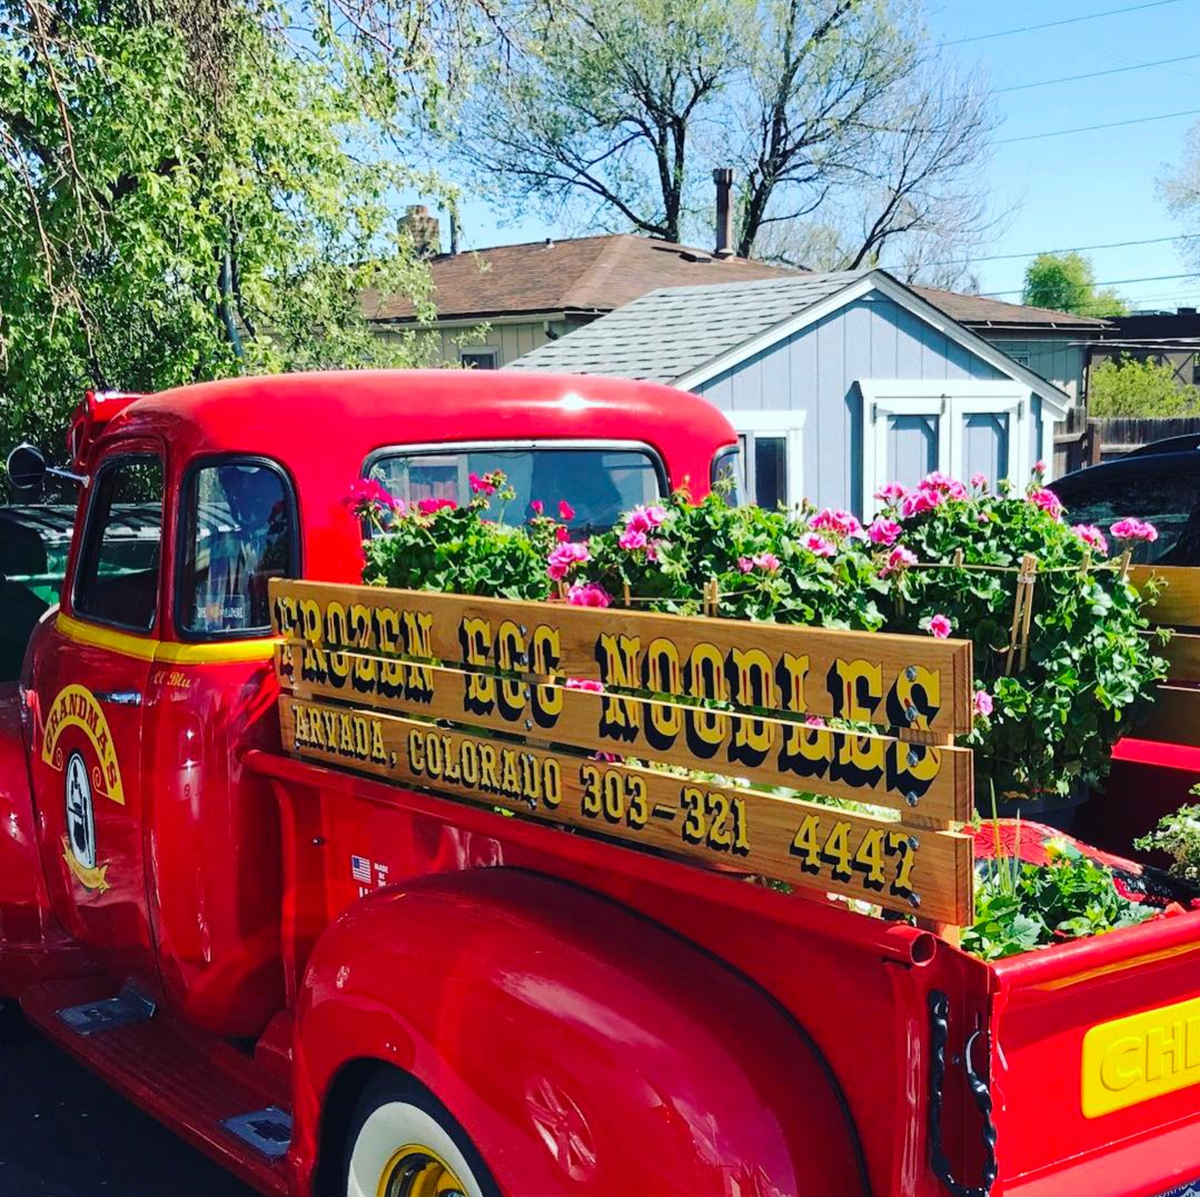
x=859 y=987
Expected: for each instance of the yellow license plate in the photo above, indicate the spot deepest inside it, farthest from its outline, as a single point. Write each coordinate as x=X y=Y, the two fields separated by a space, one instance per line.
x=1131 y=1060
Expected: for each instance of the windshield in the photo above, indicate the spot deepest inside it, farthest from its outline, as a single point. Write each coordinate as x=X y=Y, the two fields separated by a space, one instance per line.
x=598 y=483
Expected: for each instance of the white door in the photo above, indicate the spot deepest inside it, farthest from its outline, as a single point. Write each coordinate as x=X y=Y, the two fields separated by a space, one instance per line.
x=960 y=428
x=772 y=455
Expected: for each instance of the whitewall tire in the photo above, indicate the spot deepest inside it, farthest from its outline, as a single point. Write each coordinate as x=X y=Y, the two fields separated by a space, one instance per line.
x=403 y=1143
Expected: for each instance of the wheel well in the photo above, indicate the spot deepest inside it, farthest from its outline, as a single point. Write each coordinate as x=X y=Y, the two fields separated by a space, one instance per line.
x=336 y=1113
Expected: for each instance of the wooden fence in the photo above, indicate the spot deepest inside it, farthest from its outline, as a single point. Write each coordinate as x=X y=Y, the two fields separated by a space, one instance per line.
x=1080 y=441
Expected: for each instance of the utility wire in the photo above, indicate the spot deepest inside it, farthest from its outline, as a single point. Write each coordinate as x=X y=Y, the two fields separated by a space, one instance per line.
x=1112 y=282
x=1141 y=120
x=1141 y=66
x=1112 y=12
x=1070 y=249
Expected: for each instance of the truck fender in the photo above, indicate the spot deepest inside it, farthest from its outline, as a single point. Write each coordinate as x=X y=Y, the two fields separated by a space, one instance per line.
x=582 y=1047
x=32 y=945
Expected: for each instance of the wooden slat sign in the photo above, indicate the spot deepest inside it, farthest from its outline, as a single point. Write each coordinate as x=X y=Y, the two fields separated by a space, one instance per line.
x=891 y=681
x=408 y=684
x=816 y=848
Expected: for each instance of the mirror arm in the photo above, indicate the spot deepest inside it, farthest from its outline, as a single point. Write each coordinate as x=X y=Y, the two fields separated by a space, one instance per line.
x=81 y=479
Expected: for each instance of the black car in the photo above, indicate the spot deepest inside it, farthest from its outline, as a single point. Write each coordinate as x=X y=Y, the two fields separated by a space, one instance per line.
x=1159 y=483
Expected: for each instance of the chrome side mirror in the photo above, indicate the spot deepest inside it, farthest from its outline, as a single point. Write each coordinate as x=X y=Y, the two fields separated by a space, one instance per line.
x=27 y=467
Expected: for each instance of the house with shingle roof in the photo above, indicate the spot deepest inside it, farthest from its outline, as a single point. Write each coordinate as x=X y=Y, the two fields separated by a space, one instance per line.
x=527 y=295
x=836 y=383
x=530 y=294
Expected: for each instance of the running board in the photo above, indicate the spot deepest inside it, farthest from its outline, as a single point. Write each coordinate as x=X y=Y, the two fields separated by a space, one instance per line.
x=212 y=1095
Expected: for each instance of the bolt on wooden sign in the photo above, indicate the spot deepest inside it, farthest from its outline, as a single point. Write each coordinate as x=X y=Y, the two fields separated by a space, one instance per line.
x=413 y=685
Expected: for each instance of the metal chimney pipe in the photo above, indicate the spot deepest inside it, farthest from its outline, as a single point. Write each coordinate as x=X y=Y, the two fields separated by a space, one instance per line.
x=723 y=177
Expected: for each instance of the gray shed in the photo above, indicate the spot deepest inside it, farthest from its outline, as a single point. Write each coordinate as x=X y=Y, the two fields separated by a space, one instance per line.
x=836 y=383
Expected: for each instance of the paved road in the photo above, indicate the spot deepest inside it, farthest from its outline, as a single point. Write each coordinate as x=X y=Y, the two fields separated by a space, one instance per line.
x=64 y=1134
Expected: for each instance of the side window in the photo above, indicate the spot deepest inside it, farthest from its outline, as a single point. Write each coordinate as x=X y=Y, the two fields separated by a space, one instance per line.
x=237 y=532
x=117 y=580
x=728 y=474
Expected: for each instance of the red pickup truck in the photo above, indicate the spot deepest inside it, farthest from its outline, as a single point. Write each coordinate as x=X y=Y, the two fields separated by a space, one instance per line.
x=342 y=987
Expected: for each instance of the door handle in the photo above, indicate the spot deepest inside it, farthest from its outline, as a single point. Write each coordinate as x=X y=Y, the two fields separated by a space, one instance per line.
x=120 y=698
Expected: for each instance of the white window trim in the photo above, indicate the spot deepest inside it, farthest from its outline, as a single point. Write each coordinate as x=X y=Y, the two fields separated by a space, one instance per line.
x=949 y=401
x=479 y=351
x=783 y=423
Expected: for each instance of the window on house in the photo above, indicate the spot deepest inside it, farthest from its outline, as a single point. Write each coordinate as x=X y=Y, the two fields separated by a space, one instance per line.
x=772 y=451
x=117 y=579
x=480 y=359
x=237 y=532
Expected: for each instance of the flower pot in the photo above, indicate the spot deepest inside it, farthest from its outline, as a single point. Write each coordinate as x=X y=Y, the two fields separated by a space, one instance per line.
x=1054 y=810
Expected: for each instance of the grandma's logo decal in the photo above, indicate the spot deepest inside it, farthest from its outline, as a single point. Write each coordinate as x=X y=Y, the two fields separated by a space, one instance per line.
x=87 y=759
x=77 y=706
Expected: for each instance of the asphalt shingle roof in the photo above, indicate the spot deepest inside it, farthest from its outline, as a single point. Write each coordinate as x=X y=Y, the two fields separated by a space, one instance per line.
x=674 y=330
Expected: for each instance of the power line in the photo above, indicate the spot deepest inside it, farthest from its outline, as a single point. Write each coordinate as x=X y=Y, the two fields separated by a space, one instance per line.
x=1141 y=120
x=1112 y=12
x=1141 y=66
x=1070 y=249
x=1112 y=282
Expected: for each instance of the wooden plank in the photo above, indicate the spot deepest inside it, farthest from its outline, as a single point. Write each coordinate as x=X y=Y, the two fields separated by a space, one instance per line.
x=934 y=782
x=814 y=848
x=1182 y=652
x=869 y=677
x=1175 y=718
x=1179 y=603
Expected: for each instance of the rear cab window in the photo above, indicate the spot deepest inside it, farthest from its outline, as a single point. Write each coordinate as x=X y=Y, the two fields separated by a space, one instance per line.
x=597 y=481
x=117 y=578
x=237 y=532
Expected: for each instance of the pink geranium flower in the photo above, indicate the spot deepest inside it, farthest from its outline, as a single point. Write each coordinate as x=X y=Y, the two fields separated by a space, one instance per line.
x=843 y=523
x=940 y=627
x=565 y=558
x=814 y=721
x=979 y=481
x=646 y=519
x=1047 y=500
x=816 y=544
x=983 y=703
x=367 y=493
x=1091 y=535
x=561 y=534
x=432 y=506
x=921 y=500
x=884 y=532
x=898 y=559
x=632 y=540
x=565 y=511
x=481 y=486
x=1134 y=529
x=892 y=493
x=537 y=506
x=588 y=594
x=583 y=683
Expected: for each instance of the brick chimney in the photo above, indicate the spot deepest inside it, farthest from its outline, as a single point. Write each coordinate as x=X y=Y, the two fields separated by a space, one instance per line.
x=723 y=177
x=422 y=229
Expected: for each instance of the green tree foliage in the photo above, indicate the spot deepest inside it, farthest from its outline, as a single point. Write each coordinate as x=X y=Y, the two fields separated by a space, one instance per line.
x=1128 y=387
x=1066 y=283
x=195 y=190
x=829 y=110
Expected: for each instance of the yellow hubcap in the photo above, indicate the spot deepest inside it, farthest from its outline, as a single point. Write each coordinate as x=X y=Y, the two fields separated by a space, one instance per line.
x=416 y=1171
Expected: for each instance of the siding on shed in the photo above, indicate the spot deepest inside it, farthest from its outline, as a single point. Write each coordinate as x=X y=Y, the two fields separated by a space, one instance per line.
x=816 y=369
x=1061 y=360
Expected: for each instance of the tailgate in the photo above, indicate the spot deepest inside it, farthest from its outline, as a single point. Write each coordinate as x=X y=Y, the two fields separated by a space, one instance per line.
x=1096 y=1064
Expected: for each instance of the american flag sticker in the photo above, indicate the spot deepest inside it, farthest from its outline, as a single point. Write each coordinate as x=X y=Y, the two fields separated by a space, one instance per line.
x=360 y=869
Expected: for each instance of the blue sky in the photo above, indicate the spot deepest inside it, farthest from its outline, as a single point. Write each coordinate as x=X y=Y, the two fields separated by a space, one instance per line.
x=1082 y=189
